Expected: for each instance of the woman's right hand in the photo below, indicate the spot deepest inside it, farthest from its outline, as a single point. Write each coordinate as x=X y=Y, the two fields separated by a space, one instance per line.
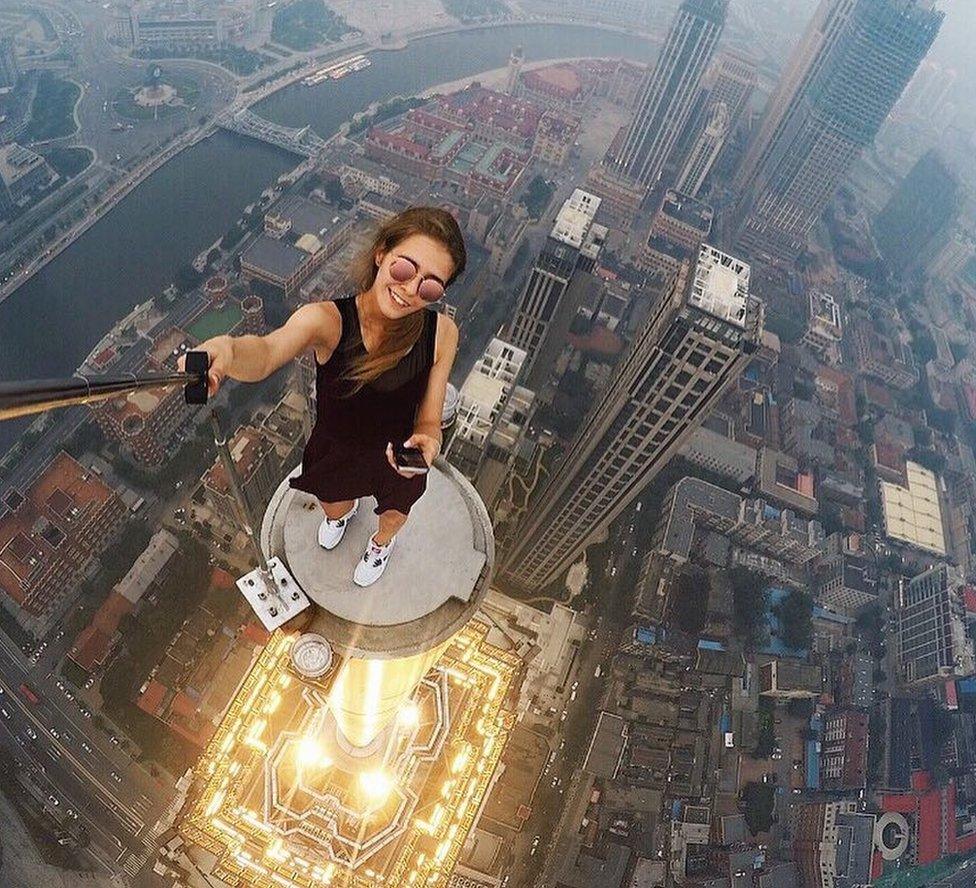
x=221 y=352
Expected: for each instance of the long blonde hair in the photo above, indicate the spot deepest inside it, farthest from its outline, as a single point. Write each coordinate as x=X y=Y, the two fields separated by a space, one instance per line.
x=400 y=335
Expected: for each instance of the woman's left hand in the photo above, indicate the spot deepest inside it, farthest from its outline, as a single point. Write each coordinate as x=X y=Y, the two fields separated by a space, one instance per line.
x=427 y=444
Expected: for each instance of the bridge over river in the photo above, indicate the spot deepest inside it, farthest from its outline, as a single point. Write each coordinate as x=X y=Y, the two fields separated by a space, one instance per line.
x=299 y=141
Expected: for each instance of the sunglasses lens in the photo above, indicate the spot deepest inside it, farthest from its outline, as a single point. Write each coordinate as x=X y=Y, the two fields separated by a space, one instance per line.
x=401 y=270
x=430 y=290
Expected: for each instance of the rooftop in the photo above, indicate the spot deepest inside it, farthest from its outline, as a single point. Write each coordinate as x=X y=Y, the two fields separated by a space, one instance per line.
x=304 y=215
x=721 y=285
x=275 y=257
x=16 y=162
x=688 y=211
x=422 y=600
x=575 y=218
x=912 y=514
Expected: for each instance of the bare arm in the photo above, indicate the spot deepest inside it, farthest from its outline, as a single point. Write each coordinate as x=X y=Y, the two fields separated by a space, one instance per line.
x=427 y=424
x=430 y=412
x=253 y=358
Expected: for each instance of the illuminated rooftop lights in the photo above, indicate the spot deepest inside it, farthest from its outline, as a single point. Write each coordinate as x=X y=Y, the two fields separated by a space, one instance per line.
x=311 y=755
x=376 y=784
x=409 y=715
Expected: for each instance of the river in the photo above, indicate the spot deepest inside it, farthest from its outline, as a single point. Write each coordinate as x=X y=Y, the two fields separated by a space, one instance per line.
x=51 y=323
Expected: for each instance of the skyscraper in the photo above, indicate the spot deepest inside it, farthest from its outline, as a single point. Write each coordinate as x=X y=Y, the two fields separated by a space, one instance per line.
x=850 y=69
x=669 y=92
x=921 y=209
x=573 y=243
x=695 y=343
x=705 y=151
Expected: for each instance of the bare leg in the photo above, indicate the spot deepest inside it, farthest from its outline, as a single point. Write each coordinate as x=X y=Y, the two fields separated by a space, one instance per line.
x=336 y=510
x=390 y=522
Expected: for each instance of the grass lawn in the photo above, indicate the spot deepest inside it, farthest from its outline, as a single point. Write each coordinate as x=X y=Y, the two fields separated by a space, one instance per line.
x=53 y=108
x=214 y=323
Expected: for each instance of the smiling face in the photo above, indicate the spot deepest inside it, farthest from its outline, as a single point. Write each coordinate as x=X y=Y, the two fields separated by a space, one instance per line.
x=397 y=300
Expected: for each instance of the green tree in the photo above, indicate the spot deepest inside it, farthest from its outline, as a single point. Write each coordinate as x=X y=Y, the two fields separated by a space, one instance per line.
x=795 y=614
x=758 y=799
x=749 y=597
x=689 y=600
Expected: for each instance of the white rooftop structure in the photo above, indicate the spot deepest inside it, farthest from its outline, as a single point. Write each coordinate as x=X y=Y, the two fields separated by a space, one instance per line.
x=912 y=514
x=575 y=218
x=721 y=285
x=147 y=566
x=486 y=389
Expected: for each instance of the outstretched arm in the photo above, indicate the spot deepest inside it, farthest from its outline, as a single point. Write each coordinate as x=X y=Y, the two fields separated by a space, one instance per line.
x=253 y=358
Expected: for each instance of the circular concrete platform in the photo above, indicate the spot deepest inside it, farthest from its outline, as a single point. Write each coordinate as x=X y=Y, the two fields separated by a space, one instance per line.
x=436 y=577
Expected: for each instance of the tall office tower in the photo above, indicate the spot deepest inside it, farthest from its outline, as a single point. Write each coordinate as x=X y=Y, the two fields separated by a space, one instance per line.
x=920 y=210
x=848 y=88
x=670 y=90
x=9 y=71
x=805 y=63
x=731 y=79
x=933 y=643
x=705 y=151
x=697 y=340
x=574 y=243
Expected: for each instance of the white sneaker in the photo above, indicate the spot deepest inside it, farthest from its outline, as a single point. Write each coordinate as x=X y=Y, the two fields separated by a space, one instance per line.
x=373 y=562
x=331 y=530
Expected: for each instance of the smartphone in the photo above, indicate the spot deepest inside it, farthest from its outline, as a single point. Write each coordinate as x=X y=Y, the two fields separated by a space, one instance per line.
x=409 y=459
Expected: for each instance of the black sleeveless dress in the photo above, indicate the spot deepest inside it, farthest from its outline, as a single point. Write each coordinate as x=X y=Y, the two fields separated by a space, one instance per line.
x=345 y=456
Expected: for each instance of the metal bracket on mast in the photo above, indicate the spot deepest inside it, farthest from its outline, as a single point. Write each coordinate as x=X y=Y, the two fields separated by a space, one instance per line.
x=270 y=589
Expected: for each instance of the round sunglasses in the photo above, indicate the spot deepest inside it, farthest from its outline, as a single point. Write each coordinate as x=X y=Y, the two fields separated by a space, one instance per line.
x=403 y=269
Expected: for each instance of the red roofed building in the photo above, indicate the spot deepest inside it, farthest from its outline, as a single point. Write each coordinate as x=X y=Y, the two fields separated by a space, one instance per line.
x=55 y=529
x=931 y=813
x=555 y=85
x=96 y=641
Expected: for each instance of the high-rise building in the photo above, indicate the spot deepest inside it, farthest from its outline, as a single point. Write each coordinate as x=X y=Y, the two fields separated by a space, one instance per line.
x=705 y=151
x=670 y=91
x=731 y=80
x=918 y=212
x=363 y=749
x=697 y=339
x=491 y=384
x=574 y=243
x=809 y=57
x=933 y=644
x=9 y=70
x=849 y=71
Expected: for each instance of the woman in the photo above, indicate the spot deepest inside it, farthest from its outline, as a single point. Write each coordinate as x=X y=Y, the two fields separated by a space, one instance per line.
x=383 y=358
